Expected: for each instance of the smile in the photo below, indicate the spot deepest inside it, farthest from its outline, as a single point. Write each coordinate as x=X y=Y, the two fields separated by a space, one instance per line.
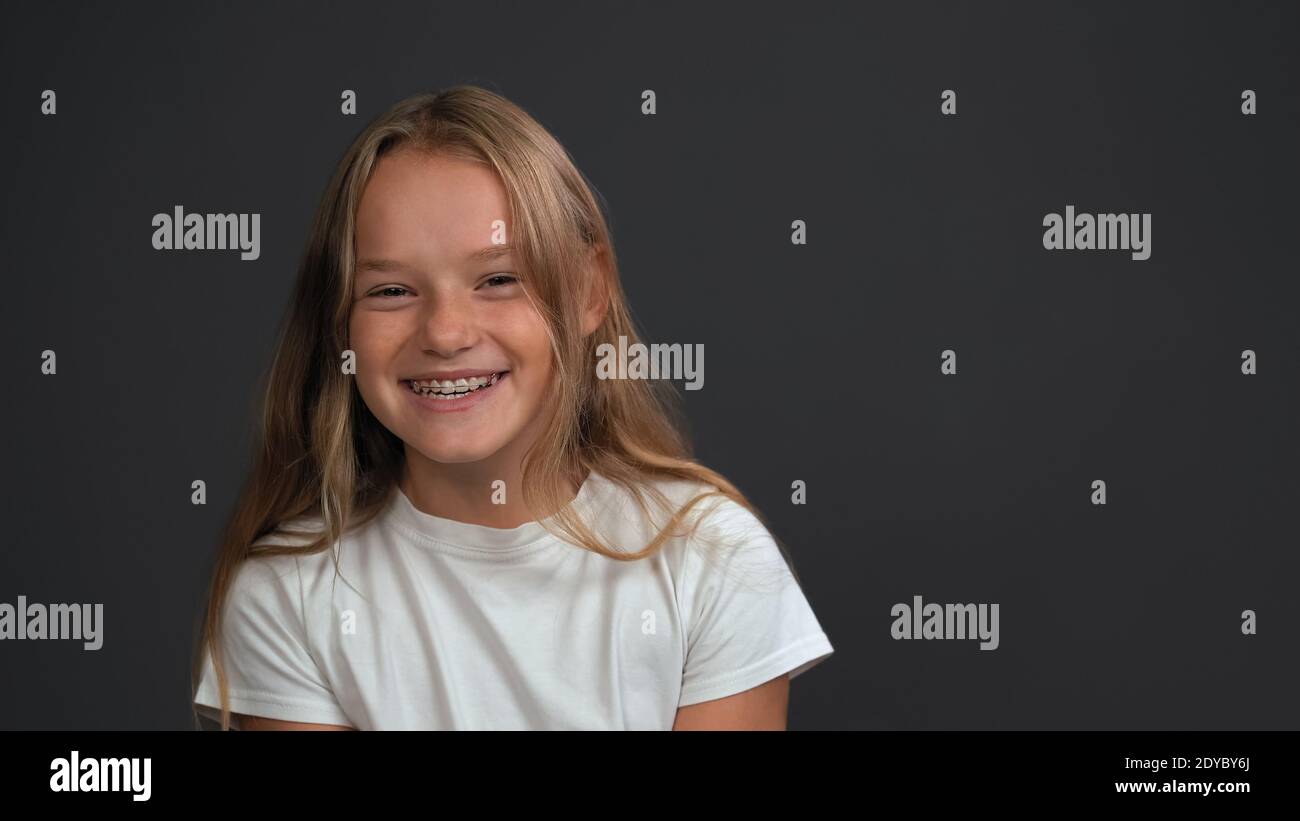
x=453 y=394
x=452 y=389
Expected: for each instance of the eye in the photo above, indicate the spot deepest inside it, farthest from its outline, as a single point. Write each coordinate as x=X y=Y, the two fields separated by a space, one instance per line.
x=500 y=280
x=382 y=291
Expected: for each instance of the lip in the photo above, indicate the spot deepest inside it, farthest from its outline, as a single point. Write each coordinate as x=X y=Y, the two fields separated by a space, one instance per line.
x=463 y=373
x=464 y=403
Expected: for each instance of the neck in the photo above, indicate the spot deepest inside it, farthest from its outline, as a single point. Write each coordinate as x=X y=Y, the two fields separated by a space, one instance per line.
x=471 y=492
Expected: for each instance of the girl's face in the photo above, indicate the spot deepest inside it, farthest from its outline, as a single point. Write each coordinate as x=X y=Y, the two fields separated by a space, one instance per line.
x=436 y=298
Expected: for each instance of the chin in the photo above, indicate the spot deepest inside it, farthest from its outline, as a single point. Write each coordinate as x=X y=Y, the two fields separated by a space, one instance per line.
x=457 y=452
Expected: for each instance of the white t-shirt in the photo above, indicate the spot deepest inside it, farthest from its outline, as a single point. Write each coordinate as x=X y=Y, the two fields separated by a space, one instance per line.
x=439 y=624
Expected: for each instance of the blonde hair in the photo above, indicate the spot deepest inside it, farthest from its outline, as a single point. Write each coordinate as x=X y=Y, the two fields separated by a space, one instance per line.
x=320 y=452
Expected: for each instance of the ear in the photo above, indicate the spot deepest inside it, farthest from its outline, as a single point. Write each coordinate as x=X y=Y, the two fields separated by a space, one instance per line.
x=596 y=304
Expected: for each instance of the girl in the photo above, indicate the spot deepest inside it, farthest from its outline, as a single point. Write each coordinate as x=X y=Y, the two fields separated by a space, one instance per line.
x=521 y=544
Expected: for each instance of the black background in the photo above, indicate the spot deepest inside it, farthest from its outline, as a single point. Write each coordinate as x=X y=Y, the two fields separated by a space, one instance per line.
x=822 y=361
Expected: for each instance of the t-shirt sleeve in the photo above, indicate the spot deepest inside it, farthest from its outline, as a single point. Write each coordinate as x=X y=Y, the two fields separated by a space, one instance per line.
x=747 y=619
x=269 y=669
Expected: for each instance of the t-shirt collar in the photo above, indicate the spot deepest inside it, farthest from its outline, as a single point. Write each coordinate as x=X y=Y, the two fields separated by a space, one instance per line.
x=403 y=511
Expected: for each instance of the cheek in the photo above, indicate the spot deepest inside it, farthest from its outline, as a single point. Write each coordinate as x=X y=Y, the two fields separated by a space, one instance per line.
x=374 y=338
x=521 y=332
x=532 y=350
x=525 y=329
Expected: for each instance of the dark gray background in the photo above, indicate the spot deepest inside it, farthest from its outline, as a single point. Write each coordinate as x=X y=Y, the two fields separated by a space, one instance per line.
x=924 y=234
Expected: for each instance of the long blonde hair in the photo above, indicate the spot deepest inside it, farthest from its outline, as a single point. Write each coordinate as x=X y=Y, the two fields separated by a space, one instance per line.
x=321 y=453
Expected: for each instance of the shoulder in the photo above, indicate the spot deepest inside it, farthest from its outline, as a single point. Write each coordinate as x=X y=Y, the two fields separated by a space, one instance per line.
x=712 y=521
x=725 y=543
x=298 y=531
x=648 y=501
x=262 y=587
x=712 y=517
x=266 y=582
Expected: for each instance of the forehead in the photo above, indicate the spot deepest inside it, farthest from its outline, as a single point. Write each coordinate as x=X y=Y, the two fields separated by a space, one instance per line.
x=419 y=205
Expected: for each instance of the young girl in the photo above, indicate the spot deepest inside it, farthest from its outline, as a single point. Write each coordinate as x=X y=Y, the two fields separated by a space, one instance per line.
x=452 y=522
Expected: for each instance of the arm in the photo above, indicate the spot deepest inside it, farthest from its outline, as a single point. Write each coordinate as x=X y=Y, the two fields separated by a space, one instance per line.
x=761 y=708
x=258 y=723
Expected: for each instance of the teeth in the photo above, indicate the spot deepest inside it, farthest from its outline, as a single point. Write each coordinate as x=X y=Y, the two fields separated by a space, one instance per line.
x=451 y=389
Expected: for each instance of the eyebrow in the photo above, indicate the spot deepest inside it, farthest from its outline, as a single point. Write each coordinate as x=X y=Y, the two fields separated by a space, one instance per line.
x=491 y=252
x=481 y=255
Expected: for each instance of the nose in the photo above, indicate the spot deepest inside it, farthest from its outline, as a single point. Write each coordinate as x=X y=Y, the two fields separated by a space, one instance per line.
x=449 y=324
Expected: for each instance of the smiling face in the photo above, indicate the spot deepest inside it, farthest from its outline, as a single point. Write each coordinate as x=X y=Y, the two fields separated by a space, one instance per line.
x=436 y=299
